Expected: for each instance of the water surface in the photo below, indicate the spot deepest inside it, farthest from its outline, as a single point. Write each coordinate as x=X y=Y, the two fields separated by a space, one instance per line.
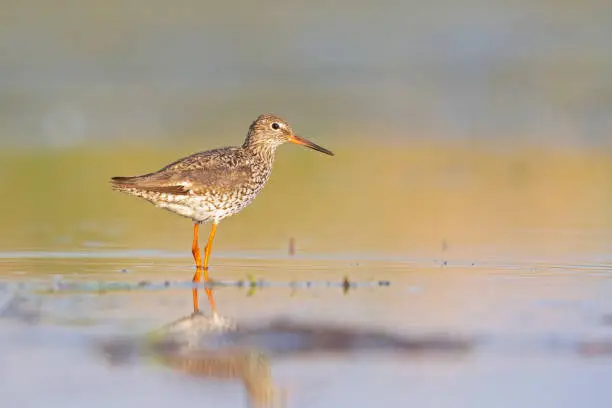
x=510 y=329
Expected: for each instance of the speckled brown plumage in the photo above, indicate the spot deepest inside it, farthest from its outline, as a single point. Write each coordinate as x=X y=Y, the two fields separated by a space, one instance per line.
x=207 y=186
x=212 y=185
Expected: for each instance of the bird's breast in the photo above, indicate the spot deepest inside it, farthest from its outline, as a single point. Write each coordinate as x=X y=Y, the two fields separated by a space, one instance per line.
x=228 y=202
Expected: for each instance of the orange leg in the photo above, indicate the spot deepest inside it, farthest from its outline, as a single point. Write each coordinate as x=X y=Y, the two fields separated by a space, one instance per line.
x=195 y=250
x=208 y=248
x=198 y=275
x=207 y=251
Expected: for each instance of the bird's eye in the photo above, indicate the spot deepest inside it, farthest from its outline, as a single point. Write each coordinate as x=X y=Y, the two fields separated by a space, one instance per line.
x=275 y=126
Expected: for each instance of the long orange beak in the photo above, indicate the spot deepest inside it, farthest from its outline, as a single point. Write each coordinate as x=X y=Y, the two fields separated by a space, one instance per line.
x=300 y=141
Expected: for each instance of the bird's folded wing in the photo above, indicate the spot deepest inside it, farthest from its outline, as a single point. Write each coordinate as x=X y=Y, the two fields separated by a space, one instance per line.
x=192 y=175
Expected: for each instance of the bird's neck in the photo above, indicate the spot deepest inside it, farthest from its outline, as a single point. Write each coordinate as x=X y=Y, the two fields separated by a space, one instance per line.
x=262 y=151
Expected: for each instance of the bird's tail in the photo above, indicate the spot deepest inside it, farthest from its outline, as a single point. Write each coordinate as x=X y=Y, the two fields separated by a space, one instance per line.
x=123 y=183
x=136 y=184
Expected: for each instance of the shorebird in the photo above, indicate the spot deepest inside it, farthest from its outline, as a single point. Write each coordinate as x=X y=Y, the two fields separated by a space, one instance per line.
x=215 y=184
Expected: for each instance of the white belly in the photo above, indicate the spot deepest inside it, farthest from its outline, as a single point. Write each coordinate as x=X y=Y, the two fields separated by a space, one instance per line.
x=201 y=210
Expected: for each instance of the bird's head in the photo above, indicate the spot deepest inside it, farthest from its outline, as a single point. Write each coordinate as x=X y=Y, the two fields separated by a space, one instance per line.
x=269 y=131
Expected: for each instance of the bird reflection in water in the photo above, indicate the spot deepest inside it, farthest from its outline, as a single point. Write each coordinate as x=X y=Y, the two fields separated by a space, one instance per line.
x=217 y=347
x=197 y=345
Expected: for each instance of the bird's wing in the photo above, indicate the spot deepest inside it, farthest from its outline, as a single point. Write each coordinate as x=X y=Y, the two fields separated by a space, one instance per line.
x=196 y=174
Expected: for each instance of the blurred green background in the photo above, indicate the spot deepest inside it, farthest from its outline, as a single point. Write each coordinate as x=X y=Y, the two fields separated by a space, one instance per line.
x=472 y=126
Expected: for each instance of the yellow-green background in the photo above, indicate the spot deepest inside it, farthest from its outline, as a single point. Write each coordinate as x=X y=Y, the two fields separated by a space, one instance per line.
x=474 y=128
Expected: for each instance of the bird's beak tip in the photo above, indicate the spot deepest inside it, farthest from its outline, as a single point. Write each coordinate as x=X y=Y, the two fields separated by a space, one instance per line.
x=301 y=141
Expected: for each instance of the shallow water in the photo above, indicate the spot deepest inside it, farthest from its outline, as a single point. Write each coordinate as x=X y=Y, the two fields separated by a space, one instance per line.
x=481 y=333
